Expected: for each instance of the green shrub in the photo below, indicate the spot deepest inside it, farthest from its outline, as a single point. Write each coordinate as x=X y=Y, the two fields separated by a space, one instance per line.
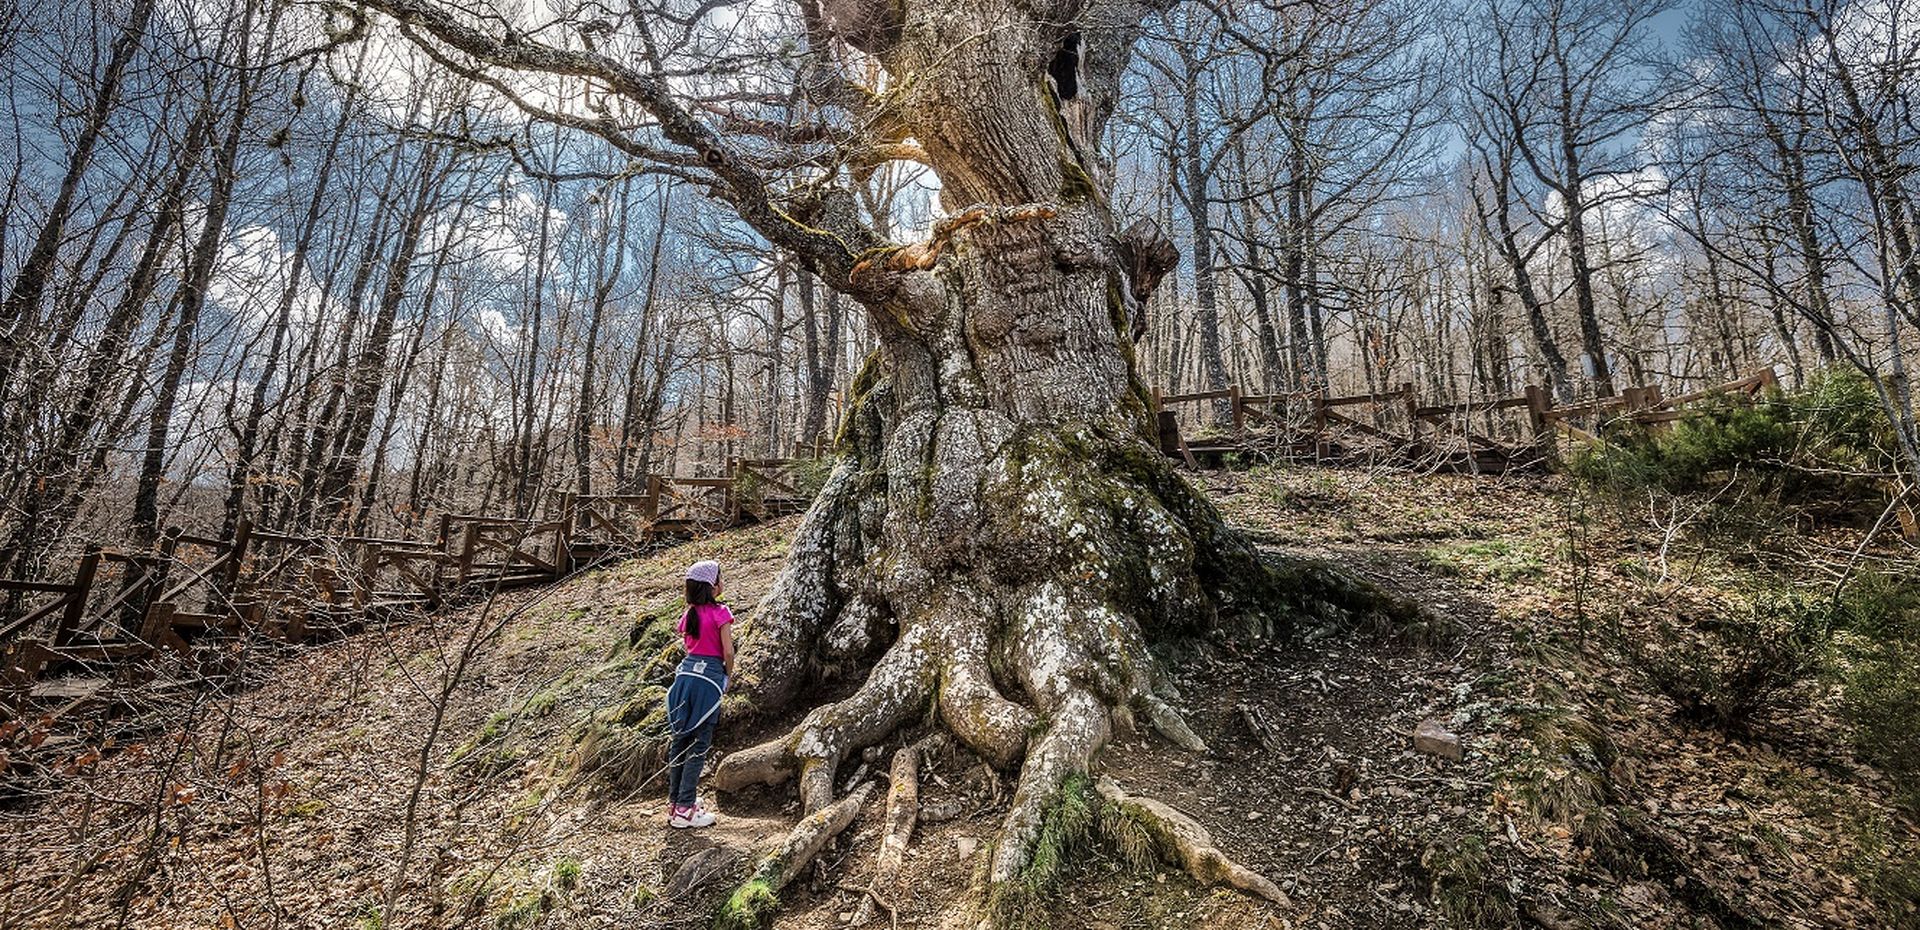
x=1820 y=443
x=805 y=476
x=1710 y=440
x=810 y=475
x=1883 y=703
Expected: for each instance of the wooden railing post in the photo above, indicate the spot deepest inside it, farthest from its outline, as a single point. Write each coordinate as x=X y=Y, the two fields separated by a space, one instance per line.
x=1319 y=422
x=76 y=600
x=227 y=585
x=154 y=583
x=1537 y=419
x=729 y=495
x=157 y=631
x=469 y=541
x=1239 y=413
x=368 y=575
x=1408 y=405
x=1633 y=400
x=563 y=538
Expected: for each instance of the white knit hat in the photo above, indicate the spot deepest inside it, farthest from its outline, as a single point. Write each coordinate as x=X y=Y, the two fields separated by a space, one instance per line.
x=707 y=571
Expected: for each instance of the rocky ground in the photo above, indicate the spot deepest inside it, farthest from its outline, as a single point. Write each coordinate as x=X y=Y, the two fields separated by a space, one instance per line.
x=432 y=775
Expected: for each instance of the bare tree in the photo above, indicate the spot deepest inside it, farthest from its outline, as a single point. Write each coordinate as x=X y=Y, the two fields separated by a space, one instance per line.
x=1567 y=87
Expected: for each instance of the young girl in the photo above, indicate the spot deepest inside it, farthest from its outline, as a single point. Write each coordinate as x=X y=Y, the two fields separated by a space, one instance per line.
x=693 y=701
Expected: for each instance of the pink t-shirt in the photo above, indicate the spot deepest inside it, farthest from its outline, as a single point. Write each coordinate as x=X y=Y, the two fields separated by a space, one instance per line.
x=712 y=618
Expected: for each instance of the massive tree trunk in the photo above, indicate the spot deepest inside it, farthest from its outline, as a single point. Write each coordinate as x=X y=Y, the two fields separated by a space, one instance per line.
x=1000 y=541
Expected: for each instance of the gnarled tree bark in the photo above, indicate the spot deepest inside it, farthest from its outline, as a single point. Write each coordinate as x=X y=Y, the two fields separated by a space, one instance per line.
x=1000 y=542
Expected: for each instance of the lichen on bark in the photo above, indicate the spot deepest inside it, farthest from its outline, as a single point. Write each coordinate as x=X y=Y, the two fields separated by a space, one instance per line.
x=1000 y=542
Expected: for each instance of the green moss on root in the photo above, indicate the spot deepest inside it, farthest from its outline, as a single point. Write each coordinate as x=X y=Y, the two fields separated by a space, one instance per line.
x=1065 y=830
x=750 y=907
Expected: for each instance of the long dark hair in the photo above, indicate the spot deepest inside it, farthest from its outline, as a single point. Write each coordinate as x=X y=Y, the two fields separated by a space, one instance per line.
x=698 y=593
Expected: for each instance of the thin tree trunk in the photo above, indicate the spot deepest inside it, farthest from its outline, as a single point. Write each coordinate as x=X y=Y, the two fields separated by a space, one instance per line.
x=108 y=354
x=146 y=515
x=36 y=269
x=605 y=280
x=240 y=477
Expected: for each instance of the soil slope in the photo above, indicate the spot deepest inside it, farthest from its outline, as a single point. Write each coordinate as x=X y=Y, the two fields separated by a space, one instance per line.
x=434 y=775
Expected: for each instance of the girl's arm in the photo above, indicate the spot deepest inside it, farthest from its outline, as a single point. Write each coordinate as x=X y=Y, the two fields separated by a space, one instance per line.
x=726 y=647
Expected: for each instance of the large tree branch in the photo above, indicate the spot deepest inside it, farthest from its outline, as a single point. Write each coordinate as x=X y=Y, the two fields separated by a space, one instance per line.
x=832 y=252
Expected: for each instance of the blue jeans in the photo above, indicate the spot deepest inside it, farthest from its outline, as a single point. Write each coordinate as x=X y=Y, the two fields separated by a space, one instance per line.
x=693 y=708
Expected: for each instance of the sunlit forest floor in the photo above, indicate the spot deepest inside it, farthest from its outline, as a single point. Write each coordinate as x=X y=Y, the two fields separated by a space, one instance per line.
x=1651 y=739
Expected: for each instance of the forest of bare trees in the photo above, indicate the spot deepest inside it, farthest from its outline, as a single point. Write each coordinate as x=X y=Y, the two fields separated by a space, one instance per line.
x=290 y=288
x=273 y=260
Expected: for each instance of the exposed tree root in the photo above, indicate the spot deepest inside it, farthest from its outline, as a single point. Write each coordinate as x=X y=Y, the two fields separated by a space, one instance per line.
x=1016 y=584
x=1183 y=840
x=752 y=905
x=1168 y=723
x=899 y=686
x=1078 y=729
x=973 y=709
x=903 y=812
x=806 y=598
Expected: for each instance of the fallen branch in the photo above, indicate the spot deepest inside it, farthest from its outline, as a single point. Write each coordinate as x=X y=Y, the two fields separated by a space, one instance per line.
x=1257 y=723
x=1185 y=841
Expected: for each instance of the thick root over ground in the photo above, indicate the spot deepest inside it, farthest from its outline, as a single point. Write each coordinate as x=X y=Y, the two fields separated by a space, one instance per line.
x=752 y=905
x=903 y=814
x=1027 y=625
x=1182 y=840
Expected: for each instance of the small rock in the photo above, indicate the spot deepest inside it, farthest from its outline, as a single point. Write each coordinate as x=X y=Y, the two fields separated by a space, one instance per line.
x=1435 y=739
x=965 y=846
x=698 y=869
x=1254 y=815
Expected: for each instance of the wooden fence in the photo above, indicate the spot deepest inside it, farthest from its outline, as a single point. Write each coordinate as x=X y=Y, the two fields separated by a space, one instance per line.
x=119 y=608
x=122 y=607
x=1489 y=435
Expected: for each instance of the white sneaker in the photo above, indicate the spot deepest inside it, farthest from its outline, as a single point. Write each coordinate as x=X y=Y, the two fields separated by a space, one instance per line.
x=685 y=817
